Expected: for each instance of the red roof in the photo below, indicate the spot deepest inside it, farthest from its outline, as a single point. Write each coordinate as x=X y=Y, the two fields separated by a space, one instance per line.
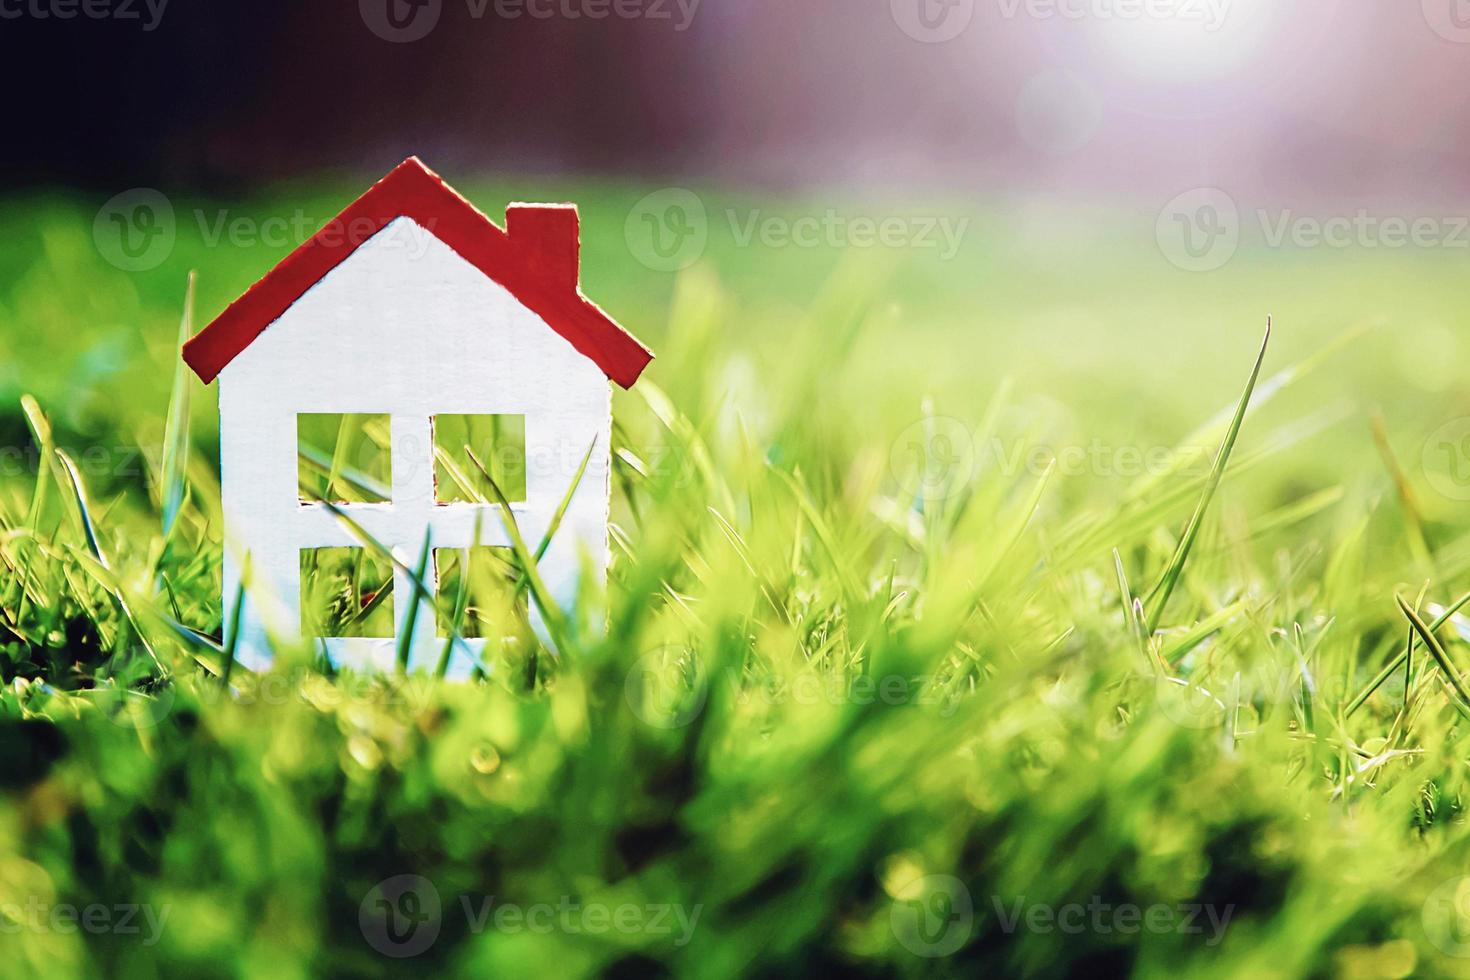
x=536 y=258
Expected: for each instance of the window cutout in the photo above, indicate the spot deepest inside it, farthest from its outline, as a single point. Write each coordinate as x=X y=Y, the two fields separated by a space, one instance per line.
x=343 y=458
x=498 y=444
x=484 y=602
x=346 y=592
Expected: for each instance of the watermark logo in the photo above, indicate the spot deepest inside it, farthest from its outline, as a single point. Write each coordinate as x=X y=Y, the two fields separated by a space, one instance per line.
x=1209 y=14
x=136 y=230
x=39 y=916
x=933 y=458
x=666 y=688
x=401 y=916
x=933 y=21
x=831 y=228
x=1190 y=705
x=679 y=13
x=1450 y=19
x=1204 y=703
x=1199 y=230
x=286 y=231
x=1446 y=459
x=934 y=917
x=135 y=710
x=938 y=457
x=147 y=13
x=401 y=21
x=1058 y=112
x=1446 y=917
x=668 y=230
x=662 y=921
x=406 y=21
x=1103 y=918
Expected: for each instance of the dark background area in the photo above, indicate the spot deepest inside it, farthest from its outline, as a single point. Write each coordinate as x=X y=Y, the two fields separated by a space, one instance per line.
x=763 y=92
x=222 y=93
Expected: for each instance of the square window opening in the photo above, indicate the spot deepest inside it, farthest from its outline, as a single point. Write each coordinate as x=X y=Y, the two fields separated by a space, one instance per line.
x=479 y=595
x=472 y=450
x=346 y=592
x=344 y=458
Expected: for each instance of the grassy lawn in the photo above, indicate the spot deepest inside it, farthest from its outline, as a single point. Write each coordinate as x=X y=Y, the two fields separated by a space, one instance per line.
x=905 y=669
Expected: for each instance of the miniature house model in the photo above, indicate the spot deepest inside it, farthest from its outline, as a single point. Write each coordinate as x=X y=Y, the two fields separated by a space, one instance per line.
x=412 y=305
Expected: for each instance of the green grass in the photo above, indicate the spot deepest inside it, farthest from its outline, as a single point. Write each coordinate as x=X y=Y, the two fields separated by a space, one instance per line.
x=949 y=598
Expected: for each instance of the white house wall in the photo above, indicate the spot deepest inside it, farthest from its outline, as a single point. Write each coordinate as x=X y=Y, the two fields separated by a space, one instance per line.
x=407 y=328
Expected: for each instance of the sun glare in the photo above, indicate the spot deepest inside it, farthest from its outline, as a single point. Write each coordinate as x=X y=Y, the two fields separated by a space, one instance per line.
x=1182 y=40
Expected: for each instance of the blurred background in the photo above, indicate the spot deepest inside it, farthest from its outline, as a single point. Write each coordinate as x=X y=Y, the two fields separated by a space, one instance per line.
x=1098 y=200
x=1315 y=96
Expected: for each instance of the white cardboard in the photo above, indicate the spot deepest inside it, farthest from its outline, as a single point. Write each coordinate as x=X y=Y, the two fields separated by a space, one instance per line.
x=408 y=328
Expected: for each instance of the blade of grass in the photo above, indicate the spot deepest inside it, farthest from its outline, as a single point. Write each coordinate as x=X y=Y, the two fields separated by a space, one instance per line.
x=695 y=449
x=41 y=431
x=1413 y=514
x=1205 y=628
x=1432 y=644
x=566 y=501
x=550 y=613
x=40 y=428
x=339 y=453
x=1010 y=535
x=84 y=511
x=1402 y=658
x=1266 y=390
x=823 y=531
x=1160 y=594
x=410 y=618
x=232 y=636
x=88 y=563
x=416 y=578
x=459 y=476
x=79 y=496
x=461 y=600
x=379 y=597
x=321 y=463
x=176 y=430
x=1130 y=617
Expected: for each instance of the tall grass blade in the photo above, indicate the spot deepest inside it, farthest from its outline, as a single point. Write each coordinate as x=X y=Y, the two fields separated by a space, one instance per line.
x=89 y=529
x=1432 y=644
x=232 y=636
x=176 y=430
x=1160 y=594
x=421 y=594
x=540 y=594
x=1403 y=657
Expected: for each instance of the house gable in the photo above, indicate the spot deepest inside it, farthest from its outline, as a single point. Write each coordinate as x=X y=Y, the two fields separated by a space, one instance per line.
x=405 y=324
x=535 y=259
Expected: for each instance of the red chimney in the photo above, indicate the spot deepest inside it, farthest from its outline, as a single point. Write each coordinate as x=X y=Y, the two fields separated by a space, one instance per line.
x=550 y=237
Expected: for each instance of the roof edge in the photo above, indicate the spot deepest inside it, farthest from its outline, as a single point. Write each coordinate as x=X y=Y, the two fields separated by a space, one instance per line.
x=412 y=190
